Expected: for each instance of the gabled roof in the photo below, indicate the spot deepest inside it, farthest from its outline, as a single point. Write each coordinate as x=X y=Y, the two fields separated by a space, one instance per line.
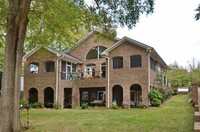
x=150 y=49
x=85 y=38
x=126 y=39
x=63 y=56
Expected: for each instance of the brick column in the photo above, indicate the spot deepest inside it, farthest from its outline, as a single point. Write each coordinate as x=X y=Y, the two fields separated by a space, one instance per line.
x=75 y=96
x=195 y=92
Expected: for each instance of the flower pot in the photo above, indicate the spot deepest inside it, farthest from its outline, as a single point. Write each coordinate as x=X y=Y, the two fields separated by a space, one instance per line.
x=125 y=106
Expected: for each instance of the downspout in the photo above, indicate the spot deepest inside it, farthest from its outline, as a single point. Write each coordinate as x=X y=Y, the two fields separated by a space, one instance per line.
x=57 y=77
x=149 y=70
x=108 y=83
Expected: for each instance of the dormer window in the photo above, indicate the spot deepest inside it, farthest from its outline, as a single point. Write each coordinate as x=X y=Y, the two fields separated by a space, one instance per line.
x=34 y=68
x=49 y=66
x=95 y=52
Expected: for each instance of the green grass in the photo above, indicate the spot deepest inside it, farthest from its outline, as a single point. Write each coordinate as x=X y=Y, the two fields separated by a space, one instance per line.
x=175 y=115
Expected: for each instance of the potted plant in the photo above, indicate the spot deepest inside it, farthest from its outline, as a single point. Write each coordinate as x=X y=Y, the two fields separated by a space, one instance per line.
x=125 y=105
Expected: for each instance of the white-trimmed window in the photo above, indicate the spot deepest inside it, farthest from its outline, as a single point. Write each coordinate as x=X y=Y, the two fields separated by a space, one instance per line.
x=34 y=68
x=95 y=52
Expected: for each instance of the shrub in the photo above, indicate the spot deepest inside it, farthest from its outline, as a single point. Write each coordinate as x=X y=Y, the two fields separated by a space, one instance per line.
x=175 y=91
x=155 y=94
x=156 y=102
x=57 y=105
x=22 y=102
x=143 y=106
x=155 y=98
x=114 y=107
x=37 y=105
x=84 y=106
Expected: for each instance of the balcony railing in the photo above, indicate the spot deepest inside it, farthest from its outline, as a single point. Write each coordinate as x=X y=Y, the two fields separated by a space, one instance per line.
x=79 y=75
x=70 y=75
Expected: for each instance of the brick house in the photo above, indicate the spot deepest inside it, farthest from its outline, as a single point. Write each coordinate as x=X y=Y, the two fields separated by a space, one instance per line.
x=95 y=70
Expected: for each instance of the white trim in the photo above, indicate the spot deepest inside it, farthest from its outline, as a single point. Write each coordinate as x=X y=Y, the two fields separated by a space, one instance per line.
x=85 y=38
x=124 y=39
x=36 y=49
x=149 y=71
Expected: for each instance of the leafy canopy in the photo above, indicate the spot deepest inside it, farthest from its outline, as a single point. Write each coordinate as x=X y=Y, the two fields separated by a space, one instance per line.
x=60 y=23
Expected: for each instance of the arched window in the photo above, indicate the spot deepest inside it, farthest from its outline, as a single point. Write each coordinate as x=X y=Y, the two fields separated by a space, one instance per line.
x=117 y=62
x=95 y=52
x=34 y=67
x=49 y=66
x=135 y=61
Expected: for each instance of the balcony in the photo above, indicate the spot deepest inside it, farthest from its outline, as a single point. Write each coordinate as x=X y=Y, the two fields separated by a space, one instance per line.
x=81 y=75
x=70 y=75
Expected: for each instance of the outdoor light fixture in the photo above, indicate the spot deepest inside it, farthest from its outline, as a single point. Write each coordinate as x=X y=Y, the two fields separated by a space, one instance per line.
x=27 y=107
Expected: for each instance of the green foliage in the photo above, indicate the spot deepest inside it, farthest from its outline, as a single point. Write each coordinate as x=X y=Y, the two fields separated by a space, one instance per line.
x=178 y=76
x=143 y=106
x=57 y=105
x=37 y=105
x=155 y=94
x=115 y=107
x=84 y=106
x=22 y=102
x=156 y=102
x=155 y=98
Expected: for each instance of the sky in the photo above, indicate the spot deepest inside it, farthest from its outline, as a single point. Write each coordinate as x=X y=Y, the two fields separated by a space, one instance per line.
x=171 y=30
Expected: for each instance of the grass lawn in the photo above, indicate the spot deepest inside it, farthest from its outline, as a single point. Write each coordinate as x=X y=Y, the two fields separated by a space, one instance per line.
x=175 y=115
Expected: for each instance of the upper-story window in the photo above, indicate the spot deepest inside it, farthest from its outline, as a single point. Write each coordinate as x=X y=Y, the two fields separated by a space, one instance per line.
x=153 y=64
x=95 y=52
x=117 y=62
x=90 y=70
x=135 y=61
x=34 y=68
x=49 y=66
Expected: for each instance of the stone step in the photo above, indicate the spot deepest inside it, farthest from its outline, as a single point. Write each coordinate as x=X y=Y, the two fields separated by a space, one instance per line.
x=196 y=107
x=197 y=116
x=196 y=126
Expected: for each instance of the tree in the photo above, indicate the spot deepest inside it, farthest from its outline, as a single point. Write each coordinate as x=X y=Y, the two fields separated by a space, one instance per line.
x=178 y=76
x=197 y=16
x=103 y=14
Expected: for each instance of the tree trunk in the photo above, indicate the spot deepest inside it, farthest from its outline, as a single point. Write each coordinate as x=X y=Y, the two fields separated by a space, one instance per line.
x=17 y=21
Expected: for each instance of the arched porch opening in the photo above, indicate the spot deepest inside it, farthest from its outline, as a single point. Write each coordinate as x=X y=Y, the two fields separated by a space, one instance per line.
x=135 y=95
x=48 y=97
x=117 y=93
x=33 y=95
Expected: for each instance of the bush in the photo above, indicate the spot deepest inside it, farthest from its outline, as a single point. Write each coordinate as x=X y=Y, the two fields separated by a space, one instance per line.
x=155 y=94
x=114 y=107
x=22 y=102
x=37 y=105
x=57 y=105
x=175 y=91
x=143 y=106
x=156 y=102
x=84 y=106
x=155 y=98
